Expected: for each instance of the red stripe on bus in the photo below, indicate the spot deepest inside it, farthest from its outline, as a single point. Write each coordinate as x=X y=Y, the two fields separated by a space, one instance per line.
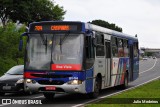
x=66 y=67
x=29 y=74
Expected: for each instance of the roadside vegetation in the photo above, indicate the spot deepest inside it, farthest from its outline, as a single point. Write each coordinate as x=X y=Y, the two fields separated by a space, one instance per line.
x=9 y=41
x=150 y=91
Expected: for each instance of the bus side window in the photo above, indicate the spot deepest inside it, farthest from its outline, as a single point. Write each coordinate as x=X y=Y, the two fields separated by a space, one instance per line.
x=135 y=47
x=126 y=51
x=120 y=48
x=90 y=54
x=114 y=47
x=100 y=45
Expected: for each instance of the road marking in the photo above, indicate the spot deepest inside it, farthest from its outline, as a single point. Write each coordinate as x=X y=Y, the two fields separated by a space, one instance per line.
x=150 y=68
x=79 y=105
x=37 y=97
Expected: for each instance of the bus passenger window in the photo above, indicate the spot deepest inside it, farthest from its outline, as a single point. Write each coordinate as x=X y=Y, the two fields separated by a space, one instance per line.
x=125 y=44
x=114 y=47
x=100 y=39
x=120 y=48
x=135 y=47
x=100 y=45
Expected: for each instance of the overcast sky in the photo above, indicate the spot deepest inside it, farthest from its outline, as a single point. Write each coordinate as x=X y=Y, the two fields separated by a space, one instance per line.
x=141 y=17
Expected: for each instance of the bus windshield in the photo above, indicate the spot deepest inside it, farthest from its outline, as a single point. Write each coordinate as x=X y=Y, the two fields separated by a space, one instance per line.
x=46 y=49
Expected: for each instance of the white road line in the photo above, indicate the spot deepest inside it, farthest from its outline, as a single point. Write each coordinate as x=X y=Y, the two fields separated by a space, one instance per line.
x=37 y=97
x=79 y=105
x=149 y=68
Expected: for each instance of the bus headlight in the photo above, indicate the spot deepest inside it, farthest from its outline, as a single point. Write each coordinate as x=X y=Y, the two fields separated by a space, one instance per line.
x=75 y=82
x=30 y=81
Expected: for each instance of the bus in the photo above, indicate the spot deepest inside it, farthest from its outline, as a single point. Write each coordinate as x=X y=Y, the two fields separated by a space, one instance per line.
x=77 y=57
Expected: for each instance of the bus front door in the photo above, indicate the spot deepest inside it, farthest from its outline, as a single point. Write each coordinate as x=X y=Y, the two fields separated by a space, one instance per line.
x=108 y=63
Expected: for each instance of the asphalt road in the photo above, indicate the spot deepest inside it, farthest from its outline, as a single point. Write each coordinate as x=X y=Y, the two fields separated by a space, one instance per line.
x=149 y=69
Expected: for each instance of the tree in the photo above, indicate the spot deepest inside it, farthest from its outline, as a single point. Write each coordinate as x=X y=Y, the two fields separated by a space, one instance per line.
x=5 y=9
x=9 y=42
x=106 y=25
x=27 y=11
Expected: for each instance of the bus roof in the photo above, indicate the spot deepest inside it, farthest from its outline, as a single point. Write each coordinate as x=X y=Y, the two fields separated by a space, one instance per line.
x=109 y=31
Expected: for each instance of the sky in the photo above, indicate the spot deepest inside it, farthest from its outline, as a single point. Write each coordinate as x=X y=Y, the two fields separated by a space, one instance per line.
x=141 y=17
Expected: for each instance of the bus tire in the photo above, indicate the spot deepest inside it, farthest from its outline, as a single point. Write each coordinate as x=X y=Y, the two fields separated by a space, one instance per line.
x=97 y=86
x=49 y=96
x=125 y=84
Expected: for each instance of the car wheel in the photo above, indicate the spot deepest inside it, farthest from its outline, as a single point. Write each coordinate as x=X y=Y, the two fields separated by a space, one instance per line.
x=49 y=96
x=29 y=92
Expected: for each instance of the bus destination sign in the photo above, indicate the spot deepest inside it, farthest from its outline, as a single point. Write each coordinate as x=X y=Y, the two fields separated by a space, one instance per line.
x=49 y=27
x=54 y=27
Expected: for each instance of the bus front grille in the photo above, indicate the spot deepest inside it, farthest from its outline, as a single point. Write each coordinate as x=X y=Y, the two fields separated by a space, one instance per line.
x=51 y=75
x=48 y=82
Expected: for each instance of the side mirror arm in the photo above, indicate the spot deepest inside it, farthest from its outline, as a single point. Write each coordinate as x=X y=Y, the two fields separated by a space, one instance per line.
x=21 y=41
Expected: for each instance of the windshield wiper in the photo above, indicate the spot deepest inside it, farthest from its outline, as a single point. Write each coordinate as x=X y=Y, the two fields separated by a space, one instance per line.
x=52 y=50
x=63 y=39
x=44 y=41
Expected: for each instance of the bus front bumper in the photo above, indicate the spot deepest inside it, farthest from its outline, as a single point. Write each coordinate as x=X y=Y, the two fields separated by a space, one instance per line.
x=65 y=88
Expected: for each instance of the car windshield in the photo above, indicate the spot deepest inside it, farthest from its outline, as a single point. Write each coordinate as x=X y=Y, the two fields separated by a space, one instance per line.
x=46 y=49
x=16 y=70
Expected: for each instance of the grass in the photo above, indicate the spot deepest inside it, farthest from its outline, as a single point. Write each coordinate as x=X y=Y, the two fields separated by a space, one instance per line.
x=150 y=91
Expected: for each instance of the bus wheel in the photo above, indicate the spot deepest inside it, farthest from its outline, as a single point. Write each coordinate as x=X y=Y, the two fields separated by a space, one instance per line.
x=125 y=84
x=97 y=86
x=49 y=96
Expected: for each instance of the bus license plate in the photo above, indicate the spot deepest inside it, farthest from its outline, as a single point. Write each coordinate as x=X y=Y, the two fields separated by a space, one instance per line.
x=6 y=87
x=50 y=88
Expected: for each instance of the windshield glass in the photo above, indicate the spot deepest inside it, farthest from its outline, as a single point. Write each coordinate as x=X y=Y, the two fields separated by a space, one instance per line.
x=16 y=70
x=47 y=49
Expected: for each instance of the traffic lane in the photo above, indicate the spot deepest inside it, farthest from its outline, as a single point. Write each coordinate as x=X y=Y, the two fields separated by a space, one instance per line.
x=73 y=99
x=152 y=73
x=146 y=64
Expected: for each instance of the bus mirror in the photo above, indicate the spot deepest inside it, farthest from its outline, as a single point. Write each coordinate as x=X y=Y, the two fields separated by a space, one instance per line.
x=21 y=41
x=20 y=45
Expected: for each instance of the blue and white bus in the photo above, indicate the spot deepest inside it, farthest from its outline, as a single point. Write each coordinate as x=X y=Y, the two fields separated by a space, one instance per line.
x=77 y=57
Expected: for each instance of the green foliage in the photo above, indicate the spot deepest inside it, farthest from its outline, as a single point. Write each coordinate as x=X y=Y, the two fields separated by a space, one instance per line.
x=149 y=90
x=106 y=25
x=148 y=53
x=9 y=42
x=27 y=11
